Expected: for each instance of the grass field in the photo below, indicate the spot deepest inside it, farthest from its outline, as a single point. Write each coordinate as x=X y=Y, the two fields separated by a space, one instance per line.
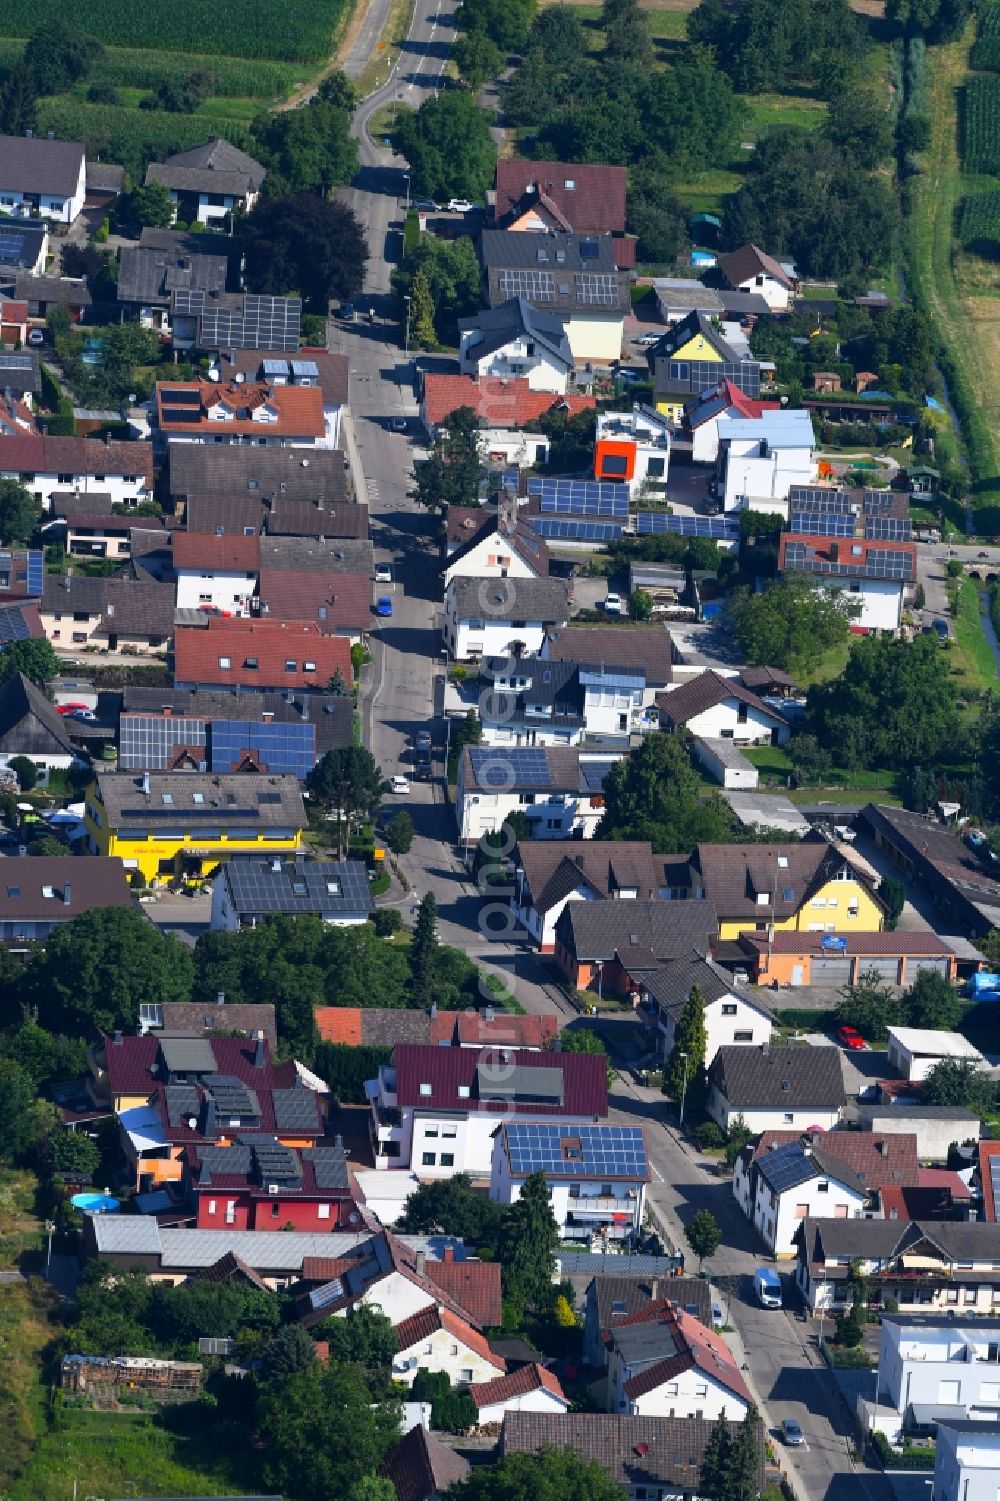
x=25 y=1330
x=972 y=658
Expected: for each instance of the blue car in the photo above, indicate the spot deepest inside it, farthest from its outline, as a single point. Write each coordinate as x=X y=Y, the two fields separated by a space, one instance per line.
x=383 y=605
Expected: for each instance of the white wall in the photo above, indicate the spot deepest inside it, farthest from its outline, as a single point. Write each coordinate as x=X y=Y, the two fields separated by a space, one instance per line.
x=690 y=1394
x=966 y=1465
x=538 y=1400
x=395 y=1295
x=722 y=722
x=480 y=813
x=914 y=1362
x=50 y=206
x=542 y=370
x=722 y=1024
x=124 y=491
x=881 y=601
x=543 y=927
x=777 y=1217
x=226 y=591
x=476 y=564
x=471 y=1146
x=595 y=341
x=751 y=478
x=466 y=1367
x=501 y=445
x=728 y=773
x=629 y=1196
x=769 y=1120
x=777 y=296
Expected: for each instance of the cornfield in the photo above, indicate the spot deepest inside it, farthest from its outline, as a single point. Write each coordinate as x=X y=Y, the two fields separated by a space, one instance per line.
x=979 y=223
x=986 y=52
x=981 y=125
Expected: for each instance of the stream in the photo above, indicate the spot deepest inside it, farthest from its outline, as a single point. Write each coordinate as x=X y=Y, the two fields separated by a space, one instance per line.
x=988 y=630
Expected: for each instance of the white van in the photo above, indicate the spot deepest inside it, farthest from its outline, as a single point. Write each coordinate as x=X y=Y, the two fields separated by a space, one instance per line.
x=767 y=1286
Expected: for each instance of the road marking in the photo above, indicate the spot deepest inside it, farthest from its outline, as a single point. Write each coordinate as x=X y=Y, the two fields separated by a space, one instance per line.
x=659 y=1175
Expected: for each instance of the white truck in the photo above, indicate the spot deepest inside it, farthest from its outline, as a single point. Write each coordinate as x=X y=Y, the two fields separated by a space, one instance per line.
x=767 y=1287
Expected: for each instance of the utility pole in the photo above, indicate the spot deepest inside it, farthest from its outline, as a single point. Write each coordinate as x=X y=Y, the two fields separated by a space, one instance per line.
x=684 y=1088
x=406 y=336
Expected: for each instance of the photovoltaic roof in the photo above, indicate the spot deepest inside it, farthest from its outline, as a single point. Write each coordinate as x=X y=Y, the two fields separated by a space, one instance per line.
x=502 y=767
x=571 y=529
x=579 y=497
x=653 y=523
x=786 y=1167
x=577 y=1151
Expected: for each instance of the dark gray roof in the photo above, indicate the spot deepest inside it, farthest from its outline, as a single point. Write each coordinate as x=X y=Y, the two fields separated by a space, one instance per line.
x=230 y=514
x=311 y=555
x=558 y=270
x=105 y=177
x=65 y=592
x=21 y=242
x=685 y=702
x=695 y=324
x=138 y=607
x=19 y=370
x=150 y=276
x=917 y=1112
x=20 y=700
x=501 y=248
x=57 y=888
x=303 y=518
x=264 y=473
x=37 y=165
x=327 y=888
x=633 y=1451
x=597 y=930
x=248 y=1017
x=618 y=1298
x=954 y=1240
x=509 y=320
x=542 y=599
x=65 y=289
x=561 y=773
x=786 y=1077
x=215 y=167
x=226 y=800
x=331 y=713
x=90 y=503
x=646 y=646
x=671 y=985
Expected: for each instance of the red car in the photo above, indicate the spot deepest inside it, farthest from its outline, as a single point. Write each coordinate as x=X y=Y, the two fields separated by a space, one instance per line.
x=852 y=1039
x=70 y=708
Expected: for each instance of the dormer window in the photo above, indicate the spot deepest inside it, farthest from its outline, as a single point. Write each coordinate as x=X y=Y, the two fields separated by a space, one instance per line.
x=426 y=1089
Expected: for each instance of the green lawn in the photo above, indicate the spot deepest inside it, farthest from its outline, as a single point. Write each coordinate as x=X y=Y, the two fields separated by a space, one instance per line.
x=973 y=659
x=766 y=110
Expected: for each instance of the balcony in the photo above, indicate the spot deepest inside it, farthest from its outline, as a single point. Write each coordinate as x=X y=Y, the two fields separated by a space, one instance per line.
x=389 y=1115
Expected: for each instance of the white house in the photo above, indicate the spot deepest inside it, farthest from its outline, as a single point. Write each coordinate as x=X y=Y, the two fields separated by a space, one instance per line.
x=209 y=182
x=215 y=574
x=437 y=1109
x=527 y=701
x=792 y=1183
x=121 y=470
x=263 y=413
x=42 y=178
x=505 y=405
x=573 y=276
x=633 y=449
x=936 y=1127
x=915 y=1051
x=531 y=1388
x=435 y=1339
x=750 y=269
x=726 y=764
x=596 y=1177
x=703 y=412
x=734 y=1017
x=966 y=1462
x=548 y=875
x=937 y=1363
x=493 y=617
x=873 y=573
x=517 y=339
x=557 y=789
x=932 y=1266
x=664 y=1363
x=776 y=1088
x=716 y=708
x=247 y=891
x=761 y=458
x=502 y=548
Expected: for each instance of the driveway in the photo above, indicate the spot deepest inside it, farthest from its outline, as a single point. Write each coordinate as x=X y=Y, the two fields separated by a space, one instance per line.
x=919 y=914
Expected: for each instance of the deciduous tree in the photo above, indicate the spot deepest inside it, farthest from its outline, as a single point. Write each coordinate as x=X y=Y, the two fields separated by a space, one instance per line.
x=655 y=794
x=59 y=56
x=451 y=1206
x=450 y=476
x=308 y=150
x=366 y=1337
x=958 y=1081
x=399 y=833
x=20 y=513
x=552 y=1475
x=870 y=1006
x=704 y=1236
x=932 y=1002
x=347 y=781
x=146 y=207
x=322 y=1432
x=36 y=659
x=305 y=244
x=791 y=624
x=448 y=145
x=477 y=59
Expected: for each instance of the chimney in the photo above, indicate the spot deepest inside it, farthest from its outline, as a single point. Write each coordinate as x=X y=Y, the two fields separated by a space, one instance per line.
x=882 y=1148
x=654 y=1289
x=259 y=1058
x=220 y=997
x=338 y=1143
x=449 y=1254
x=145 y=783
x=487 y=1013
x=118 y=1039
x=434 y=1010
x=67 y=894
x=421 y=1263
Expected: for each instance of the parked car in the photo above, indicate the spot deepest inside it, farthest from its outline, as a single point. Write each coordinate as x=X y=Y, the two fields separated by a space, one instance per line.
x=423 y=739
x=718 y=1314
x=398 y=784
x=383 y=605
x=383 y=573
x=852 y=1039
x=646 y=341
x=36 y=336
x=347 y=312
x=70 y=708
x=613 y=604
x=791 y=1432
x=427 y=205
x=398 y=424
x=83 y=714
x=460 y=206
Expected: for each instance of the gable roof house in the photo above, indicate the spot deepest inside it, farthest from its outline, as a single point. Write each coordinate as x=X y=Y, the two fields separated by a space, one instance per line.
x=734 y=1014
x=271 y=415
x=39 y=893
x=571 y=275
x=231 y=1018
x=872 y=572
x=46 y=178
x=308 y=366
x=792 y=1181
x=516 y=339
x=625 y=940
x=504 y=407
x=422 y=1468
x=776 y=1087
x=148 y=277
x=215 y=574
x=247 y=891
x=765 y=888
x=620 y=647
x=527 y=701
x=254 y=473
x=542 y=196
x=663 y=1362
x=338 y=603
x=31 y=727
x=43 y=464
x=547 y=875
x=693 y=357
x=436 y=1339
x=209 y=182
x=647 y=1456
x=958 y=882
x=503 y=547
x=714 y=708
x=256 y=1182
x=531 y=1388
x=611 y=1299
x=437 y=1109
x=108 y=612
x=927 y=1266
x=491 y=617
x=558 y=789
x=750 y=269
x=258 y=654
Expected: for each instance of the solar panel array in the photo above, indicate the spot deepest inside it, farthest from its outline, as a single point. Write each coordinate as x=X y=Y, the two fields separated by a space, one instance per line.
x=885 y=563
x=655 y=523
x=15 y=361
x=579 y=497
x=258 y=888
x=278 y=748
x=822 y=523
x=878 y=502
x=536 y=286
x=604 y=1151
x=11 y=247
x=13 y=626
x=889 y=528
x=786 y=1167
x=36 y=572
x=599 y=291
x=702 y=375
x=264 y=323
x=573 y=530
x=813 y=498
x=503 y=767
x=321 y=1297
x=148 y=742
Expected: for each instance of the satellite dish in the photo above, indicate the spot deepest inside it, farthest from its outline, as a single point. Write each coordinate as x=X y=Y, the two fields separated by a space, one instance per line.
x=193 y=1122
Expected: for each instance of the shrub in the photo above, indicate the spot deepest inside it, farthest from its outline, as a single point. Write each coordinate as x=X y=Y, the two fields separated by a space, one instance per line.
x=708 y=1136
x=387 y=921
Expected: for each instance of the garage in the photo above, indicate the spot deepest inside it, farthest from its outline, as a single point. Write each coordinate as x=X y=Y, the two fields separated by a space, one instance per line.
x=939 y=966
x=886 y=969
x=826 y=970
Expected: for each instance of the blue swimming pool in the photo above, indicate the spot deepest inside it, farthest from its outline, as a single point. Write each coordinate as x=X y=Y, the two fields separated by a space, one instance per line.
x=94 y=1203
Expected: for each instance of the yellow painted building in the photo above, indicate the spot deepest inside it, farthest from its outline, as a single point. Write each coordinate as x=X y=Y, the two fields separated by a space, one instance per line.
x=808 y=887
x=693 y=340
x=170 y=826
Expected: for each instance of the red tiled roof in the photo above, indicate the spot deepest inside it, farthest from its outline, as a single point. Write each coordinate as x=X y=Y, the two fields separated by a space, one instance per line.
x=298 y=409
x=879 y=1160
x=585 y=1079
x=198 y=651
x=745 y=405
x=943 y=1177
x=473 y=1285
x=527 y=1378
x=500 y=403
x=422 y=1467
x=325 y=1268
x=899 y=943
x=230 y=553
x=596 y=202
x=471 y=1027
x=987 y=1151
x=625 y=251
x=28 y=454
x=916 y=1203
x=852 y=552
x=344 y=598
x=420 y=1326
x=696 y=1346
x=339 y=1024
